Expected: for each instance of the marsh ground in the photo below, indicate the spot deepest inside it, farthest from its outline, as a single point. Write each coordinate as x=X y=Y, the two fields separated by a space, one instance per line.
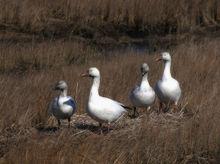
x=43 y=42
x=29 y=70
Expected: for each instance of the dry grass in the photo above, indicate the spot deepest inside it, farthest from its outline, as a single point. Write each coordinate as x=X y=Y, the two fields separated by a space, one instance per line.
x=107 y=17
x=26 y=133
x=21 y=57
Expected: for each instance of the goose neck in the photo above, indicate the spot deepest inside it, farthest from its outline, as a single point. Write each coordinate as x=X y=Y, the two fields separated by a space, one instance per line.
x=144 y=81
x=95 y=87
x=63 y=93
x=166 y=73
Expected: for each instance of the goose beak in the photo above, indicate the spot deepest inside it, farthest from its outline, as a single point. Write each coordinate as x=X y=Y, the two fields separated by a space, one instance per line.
x=158 y=59
x=56 y=88
x=84 y=75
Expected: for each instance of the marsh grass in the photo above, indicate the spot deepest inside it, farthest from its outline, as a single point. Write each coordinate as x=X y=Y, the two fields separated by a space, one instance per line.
x=107 y=17
x=27 y=133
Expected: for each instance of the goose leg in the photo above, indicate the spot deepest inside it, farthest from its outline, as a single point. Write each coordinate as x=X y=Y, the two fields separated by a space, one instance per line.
x=167 y=107
x=135 y=113
x=100 y=126
x=58 y=123
x=175 y=107
x=160 y=106
x=69 y=122
x=108 y=127
x=172 y=106
x=148 y=109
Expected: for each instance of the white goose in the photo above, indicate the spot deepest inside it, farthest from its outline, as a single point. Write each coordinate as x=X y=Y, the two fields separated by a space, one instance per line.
x=101 y=109
x=63 y=106
x=142 y=95
x=167 y=89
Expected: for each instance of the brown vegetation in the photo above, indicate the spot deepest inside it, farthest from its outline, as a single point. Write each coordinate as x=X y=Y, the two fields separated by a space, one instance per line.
x=107 y=17
x=28 y=71
x=31 y=64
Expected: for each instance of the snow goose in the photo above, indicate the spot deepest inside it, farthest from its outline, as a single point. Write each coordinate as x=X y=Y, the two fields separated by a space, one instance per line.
x=101 y=109
x=167 y=89
x=142 y=95
x=62 y=106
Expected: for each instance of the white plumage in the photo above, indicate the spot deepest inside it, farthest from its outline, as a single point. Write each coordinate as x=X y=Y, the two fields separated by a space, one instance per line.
x=143 y=95
x=101 y=109
x=167 y=89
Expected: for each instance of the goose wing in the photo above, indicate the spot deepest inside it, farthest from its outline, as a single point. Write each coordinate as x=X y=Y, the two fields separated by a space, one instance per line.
x=53 y=105
x=71 y=102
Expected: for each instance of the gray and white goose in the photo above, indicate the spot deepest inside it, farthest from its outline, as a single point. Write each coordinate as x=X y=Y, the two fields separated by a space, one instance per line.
x=142 y=95
x=62 y=106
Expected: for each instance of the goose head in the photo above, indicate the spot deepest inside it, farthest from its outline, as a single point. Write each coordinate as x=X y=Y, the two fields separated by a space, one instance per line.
x=165 y=56
x=144 y=69
x=61 y=85
x=92 y=72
